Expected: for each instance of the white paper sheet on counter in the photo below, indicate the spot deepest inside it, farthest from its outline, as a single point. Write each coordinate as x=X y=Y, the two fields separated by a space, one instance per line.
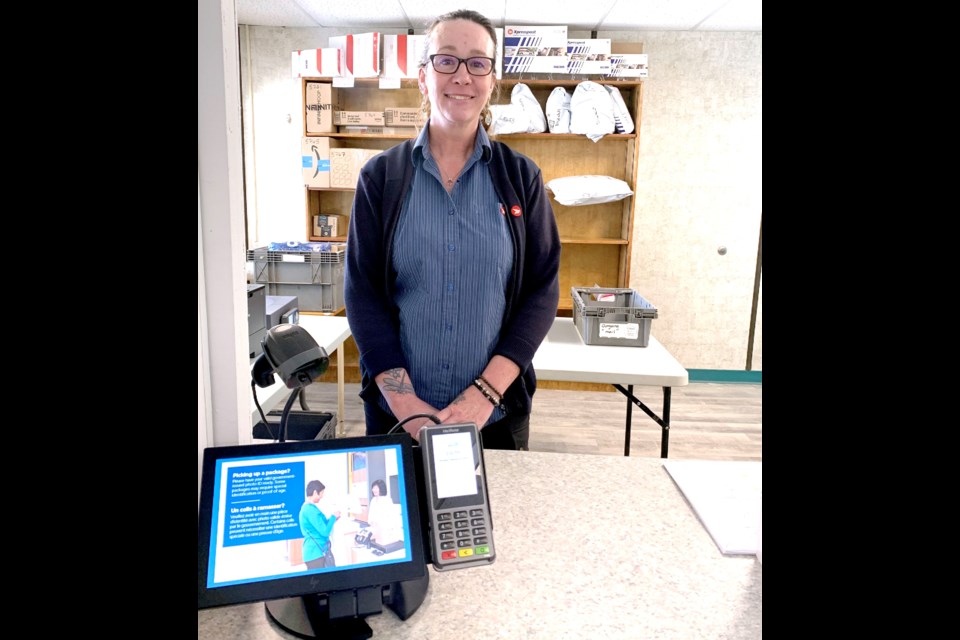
x=727 y=496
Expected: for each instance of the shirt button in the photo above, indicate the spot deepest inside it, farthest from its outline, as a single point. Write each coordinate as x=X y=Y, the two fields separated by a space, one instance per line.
x=449 y=327
x=451 y=247
x=450 y=212
x=446 y=366
x=449 y=286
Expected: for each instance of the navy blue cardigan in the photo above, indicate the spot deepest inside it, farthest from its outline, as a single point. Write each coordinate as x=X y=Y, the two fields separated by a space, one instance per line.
x=531 y=299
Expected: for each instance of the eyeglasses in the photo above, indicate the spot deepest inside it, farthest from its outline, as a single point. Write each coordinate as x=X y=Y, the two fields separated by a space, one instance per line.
x=476 y=66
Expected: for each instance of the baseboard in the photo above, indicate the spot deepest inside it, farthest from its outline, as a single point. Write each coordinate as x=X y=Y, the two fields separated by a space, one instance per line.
x=352 y=375
x=725 y=375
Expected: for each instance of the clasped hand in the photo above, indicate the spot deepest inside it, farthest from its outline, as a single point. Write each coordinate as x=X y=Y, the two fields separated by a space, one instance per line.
x=469 y=406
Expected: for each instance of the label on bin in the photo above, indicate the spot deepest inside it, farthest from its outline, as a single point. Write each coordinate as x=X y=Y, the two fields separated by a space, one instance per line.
x=627 y=331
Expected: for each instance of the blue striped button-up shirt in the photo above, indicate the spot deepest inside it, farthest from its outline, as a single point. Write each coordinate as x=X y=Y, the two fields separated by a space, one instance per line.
x=453 y=256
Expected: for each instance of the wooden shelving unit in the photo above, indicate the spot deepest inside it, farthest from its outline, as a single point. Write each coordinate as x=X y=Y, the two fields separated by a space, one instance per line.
x=596 y=238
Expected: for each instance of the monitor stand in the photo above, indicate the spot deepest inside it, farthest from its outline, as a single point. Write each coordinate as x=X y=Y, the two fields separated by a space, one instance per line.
x=341 y=615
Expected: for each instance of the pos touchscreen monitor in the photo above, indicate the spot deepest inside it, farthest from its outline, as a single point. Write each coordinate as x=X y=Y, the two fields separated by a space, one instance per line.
x=282 y=521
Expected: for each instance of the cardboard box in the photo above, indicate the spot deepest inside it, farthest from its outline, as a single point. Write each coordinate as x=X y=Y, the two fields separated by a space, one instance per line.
x=326 y=225
x=380 y=131
x=374 y=118
x=401 y=55
x=539 y=49
x=403 y=117
x=361 y=54
x=345 y=165
x=628 y=65
x=315 y=160
x=314 y=63
x=588 y=56
x=320 y=103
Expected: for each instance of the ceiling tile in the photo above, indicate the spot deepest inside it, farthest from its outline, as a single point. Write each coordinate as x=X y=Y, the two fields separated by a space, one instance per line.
x=422 y=12
x=351 y=14
x=578 y=15
x=738 y=15
x=655 y=15
x=272 y=13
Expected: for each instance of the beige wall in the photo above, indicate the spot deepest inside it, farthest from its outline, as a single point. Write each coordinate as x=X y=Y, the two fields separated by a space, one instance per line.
x=699 y=186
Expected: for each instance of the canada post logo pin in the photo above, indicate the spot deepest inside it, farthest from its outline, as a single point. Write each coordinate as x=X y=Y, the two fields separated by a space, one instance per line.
x=515 y=211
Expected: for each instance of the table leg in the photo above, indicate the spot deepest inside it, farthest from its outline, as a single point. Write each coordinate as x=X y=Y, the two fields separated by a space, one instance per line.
x=341 y=424
x=665 y=432
x=664 y=422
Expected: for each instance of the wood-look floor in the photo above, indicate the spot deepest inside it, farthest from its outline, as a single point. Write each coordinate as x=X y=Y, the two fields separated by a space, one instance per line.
x=708 y=421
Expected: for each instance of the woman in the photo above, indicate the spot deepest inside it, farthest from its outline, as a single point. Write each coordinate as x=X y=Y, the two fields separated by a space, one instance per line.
x=378 y=513
x=452 y=257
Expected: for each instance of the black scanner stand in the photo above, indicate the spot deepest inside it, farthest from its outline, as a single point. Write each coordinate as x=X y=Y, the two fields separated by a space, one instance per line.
x=340 y=615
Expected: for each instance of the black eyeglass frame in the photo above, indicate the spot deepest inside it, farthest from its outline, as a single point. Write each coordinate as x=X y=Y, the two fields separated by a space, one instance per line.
x=461 y=61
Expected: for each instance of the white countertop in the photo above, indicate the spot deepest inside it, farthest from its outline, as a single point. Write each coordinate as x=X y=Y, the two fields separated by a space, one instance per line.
x=587 y=547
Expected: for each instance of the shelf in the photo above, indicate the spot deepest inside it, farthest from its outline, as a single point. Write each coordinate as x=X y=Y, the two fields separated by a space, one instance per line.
x=502 y=136
x=379 y=136
x=562 y=136
x=570 y=240
x=596 y=239
x=413 y=83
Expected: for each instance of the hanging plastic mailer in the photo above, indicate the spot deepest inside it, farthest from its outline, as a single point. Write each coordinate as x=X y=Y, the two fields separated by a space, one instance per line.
x=523 y=115
x=622 y=121
x=558 y=111
x=591 y=111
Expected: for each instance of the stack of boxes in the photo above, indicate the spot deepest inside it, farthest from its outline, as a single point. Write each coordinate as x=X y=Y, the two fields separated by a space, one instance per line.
x=523 y=49
x=327 y=167
x=336 y=165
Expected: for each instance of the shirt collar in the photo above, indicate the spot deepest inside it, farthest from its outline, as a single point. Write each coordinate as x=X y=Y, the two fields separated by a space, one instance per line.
x=421 y=146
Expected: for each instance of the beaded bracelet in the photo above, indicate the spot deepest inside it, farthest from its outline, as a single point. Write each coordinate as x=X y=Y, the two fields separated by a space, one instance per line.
x=486 y=393
x=491 y=387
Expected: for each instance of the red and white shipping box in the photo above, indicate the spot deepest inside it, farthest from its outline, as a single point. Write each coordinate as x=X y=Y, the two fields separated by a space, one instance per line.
x=360 y=53
x=401 y=55
x=317 y=63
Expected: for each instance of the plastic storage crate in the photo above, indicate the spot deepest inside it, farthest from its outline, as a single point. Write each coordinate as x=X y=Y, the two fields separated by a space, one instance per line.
x=621 y=322
x=315 y=277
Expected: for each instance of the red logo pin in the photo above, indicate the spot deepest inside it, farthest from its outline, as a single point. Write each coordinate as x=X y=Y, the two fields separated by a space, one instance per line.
x=515 y=211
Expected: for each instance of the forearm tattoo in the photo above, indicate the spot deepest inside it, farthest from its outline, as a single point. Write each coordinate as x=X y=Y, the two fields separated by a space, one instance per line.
x=396 y=382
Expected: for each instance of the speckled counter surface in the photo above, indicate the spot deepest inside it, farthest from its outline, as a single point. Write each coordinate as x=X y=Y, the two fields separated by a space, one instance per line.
x=588 y=546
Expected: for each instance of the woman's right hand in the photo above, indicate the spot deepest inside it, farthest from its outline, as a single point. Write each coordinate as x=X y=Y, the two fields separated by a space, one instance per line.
x=412 y=406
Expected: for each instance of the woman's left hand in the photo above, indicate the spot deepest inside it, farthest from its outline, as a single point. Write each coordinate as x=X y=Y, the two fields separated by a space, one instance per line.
x=469 y=406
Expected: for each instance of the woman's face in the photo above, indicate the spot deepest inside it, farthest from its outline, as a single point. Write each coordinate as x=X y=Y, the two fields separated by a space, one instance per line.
x=376 y=490
x=458 y=98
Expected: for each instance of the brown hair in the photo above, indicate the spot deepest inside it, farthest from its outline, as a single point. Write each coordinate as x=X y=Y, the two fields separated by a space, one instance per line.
x=486 y=117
